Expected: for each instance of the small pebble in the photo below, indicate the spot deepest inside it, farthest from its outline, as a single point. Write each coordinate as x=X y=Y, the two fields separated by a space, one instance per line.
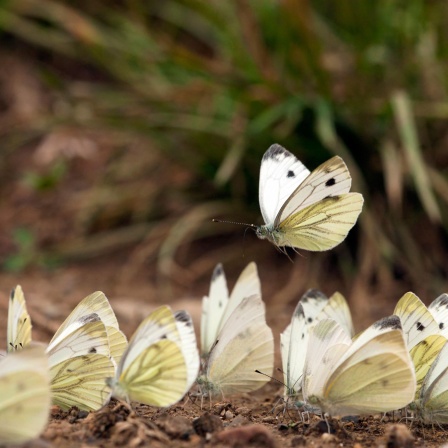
x=229 y=415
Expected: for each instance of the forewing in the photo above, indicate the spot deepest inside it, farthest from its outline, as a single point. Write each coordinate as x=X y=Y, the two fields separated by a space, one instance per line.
x=188 y=346
x=160 y=324
x=439 y=309
x=330 y=179
x=323 y=225
x=24 y=395
x=248 y=284
x=86 y=336
x=327 y=342
x=244 y=344
x=337 y=308
x=213 y=308
x=19 y=321
x=280 y=174
x=417 y=322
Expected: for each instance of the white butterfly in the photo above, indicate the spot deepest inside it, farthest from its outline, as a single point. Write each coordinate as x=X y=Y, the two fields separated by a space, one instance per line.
x=218 y=306
x=311 y=308
x=439 y=309
x=244 y=344
x=311 y=211
x=432 y=401
x=153 y=368
x=371 y=374
x=24 y=395
x=79 y=358
x=19 y=322
x=422 y=333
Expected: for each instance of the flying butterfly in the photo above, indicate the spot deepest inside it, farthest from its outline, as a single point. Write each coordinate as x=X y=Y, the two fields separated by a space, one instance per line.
x=302 y=209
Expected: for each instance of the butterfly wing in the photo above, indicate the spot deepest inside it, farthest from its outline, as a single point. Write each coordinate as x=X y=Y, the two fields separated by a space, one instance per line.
x=280 y=174
x=85 y=336
x=188 y=345
x=423 y=356
x=322 y=225
x=439 y=309
x=24 y=395
x=80 y=381
x=213 y=308
x=248 y=284
x=375 y=374
x=337 y=308
x=244 y=344
x=418 y=323
x=327 y=342
x=98 y=303
x=330 y=179
x=19 y=321
x=296 y=337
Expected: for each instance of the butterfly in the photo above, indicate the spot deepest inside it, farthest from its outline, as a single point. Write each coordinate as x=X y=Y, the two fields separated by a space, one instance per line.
x=370 y=374
x=79 y=359
x=24 y=395
x=311 y=308
x=422 y=334
x=432 y=400
x=19 y=321
x=243 y=344
x=439 y=309
x=311 y=211
x=218 y=306
x=153 y=367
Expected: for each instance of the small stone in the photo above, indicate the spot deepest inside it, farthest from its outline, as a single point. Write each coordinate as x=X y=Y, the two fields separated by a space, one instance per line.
x=282 y=427
x=207 y=424
x=229 y=415
x=176 y=427
x=239 y=420
x=251 y=435
x=398 y=436
x=242 y=411
x=328 y=438
x=269 y=419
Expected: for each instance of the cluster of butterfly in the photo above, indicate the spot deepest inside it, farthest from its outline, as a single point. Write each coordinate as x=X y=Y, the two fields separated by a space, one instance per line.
x=399 y=362
x=89 y=360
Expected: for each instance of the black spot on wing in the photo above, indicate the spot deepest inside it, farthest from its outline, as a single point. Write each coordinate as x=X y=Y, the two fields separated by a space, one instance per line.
x=13 y=292
x=330 y=182
x=218 y=271
x=392 y=322
x=441 y=325
x=310 y=319
x=420 y=326
x=92 y=350
x=299 y=310
x=291 y=174
x=164 y=336
x=182 y=316
x=93 y=317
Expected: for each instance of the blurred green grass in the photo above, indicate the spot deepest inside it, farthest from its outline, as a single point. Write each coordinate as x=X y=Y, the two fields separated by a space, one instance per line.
x=210 y=85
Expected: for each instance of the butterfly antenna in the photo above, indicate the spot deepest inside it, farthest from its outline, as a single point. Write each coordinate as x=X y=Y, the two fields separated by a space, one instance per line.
x=253 y=226
x=272 y=378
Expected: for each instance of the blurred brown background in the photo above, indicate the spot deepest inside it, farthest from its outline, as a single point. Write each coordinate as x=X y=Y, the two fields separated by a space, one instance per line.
x=126 y=126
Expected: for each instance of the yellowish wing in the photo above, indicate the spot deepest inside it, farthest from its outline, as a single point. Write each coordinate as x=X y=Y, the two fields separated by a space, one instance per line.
x=81 y=381
x=24 y=395
x=156 y=377
x=98 y=303
x=321 y=226
x=19 y=321
x=423 y=355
